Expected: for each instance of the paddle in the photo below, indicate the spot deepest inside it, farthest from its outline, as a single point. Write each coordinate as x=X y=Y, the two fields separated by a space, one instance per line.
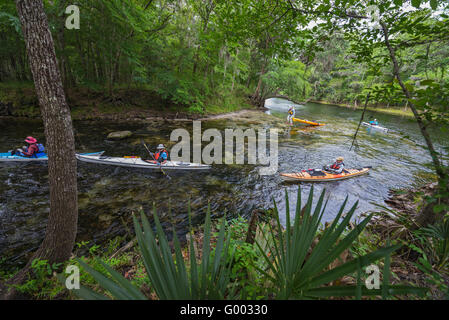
x=368 y=167
x=151 y=154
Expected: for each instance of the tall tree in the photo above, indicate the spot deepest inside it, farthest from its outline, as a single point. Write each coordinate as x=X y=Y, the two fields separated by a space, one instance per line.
x=62 y=221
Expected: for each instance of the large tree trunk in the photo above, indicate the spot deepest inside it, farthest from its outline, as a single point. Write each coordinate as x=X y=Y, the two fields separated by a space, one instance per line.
x=256 y=94
x=256 y=97
x=62 y=221
x=426 y=216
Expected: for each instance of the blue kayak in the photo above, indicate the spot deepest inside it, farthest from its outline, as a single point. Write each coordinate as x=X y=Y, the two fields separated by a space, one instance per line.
x=7 y=157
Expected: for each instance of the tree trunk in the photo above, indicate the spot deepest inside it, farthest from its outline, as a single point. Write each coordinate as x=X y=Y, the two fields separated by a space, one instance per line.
x=428 y=216
x=256 y=95
x=62 y=221
x=305 y=81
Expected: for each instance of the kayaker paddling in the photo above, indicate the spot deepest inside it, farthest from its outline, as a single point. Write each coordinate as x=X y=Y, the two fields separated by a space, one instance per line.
x=137 y=162
x=337 y=167
x=41 y=156
x=291 y=115
x=161 y=154
x=29 y=151
x=374 y=122
x=317 y=175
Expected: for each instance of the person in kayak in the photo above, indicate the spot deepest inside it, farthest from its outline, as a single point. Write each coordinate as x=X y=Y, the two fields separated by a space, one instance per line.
x=337 y=167
x=374 y=122
x=161 y=155
x=27 y=151
x=291 y=115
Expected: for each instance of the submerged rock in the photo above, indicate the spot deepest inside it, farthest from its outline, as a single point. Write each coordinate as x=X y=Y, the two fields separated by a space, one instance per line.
x=119 y=135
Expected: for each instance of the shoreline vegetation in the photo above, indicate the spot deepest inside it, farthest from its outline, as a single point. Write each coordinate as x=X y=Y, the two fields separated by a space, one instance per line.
x=19 y=100
x=124 y=255
x=397 y=111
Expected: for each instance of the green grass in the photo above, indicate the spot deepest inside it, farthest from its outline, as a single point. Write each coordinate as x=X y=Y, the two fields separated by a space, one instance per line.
x=393 y=111
x=227 y=103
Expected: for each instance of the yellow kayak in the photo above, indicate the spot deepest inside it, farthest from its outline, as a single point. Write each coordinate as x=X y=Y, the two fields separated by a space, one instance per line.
x=312 y=123
x=318 y=175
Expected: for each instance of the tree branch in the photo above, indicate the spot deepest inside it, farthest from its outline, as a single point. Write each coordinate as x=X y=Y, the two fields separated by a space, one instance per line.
x=436 y=161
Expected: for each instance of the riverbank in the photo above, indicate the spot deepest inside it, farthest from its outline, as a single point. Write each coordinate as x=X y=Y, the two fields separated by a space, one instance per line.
x=392 y=111
x=124 y=255
x=422 y=259
x=20 y=100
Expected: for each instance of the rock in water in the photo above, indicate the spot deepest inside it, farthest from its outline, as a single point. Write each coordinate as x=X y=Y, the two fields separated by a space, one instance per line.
x=119 y=135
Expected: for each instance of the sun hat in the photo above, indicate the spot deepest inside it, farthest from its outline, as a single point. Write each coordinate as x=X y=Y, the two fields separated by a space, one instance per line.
x=30 y=140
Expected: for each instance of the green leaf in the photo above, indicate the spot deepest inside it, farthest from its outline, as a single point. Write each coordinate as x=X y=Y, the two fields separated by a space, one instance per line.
x=351 y=266
x=83 y=292
x=438 y=208
x=434 y=4
x=126 y=285
x=416 y=3
x=114 y=289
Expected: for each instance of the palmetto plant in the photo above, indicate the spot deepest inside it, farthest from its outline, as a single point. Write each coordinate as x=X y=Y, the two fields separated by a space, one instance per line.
x=167 y=272
x=439 y=233
x=298 y=265
x=296 y=261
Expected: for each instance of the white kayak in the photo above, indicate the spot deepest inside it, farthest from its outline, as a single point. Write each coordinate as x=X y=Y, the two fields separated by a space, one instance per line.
x=137 y=162
x=7 y=157
x=376 y=127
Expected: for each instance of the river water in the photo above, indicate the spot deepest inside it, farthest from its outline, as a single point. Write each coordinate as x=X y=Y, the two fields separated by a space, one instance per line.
x=109 y=195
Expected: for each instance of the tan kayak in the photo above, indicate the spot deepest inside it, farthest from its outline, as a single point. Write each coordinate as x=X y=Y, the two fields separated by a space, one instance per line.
x=318 y=175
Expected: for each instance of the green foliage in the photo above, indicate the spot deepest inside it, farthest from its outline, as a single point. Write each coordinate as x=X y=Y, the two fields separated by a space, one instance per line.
x=169 y=276
x=298 y=268
x=209 y=55
x=434 y=276
x=242 y=257
x=40 y=284
x=289 y=78
x=439 y=237
x=291 y=263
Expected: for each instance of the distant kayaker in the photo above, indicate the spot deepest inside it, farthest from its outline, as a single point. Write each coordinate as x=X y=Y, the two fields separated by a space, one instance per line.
x=291 y=115
x=374 y=122
x=161 y=155
x=27 y=151
x=337 y=167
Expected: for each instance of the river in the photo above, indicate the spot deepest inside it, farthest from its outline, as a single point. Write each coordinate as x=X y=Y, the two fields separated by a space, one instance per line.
x=109 y=195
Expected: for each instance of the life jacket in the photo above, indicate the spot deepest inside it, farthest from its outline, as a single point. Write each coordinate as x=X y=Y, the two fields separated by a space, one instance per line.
x=336 y=165
x=290 y=111
x=31 y=151
x=40 y=147
x=158 y=154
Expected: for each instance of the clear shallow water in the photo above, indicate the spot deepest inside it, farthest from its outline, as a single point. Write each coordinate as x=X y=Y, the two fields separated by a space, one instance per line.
x=109 y=195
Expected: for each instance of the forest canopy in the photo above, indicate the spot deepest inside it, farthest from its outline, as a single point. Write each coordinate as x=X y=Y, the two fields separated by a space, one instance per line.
x=208 y=52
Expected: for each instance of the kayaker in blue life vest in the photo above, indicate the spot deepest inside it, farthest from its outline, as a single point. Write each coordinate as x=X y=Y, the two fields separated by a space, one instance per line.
x=374 y=122
x=337 y=167
x=161 y=155
x=291 y=115
x=28 y=151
